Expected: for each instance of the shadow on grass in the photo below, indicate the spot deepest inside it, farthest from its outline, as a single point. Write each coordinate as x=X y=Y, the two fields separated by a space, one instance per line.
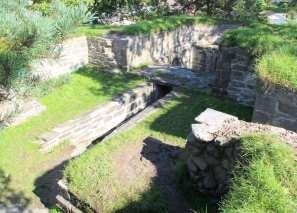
x=165 y=193
x=177 y=121
x=111 y=84
x=46 y=186
x=10 y=197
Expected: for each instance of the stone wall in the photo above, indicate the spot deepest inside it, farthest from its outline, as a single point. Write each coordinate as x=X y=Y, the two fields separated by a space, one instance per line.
x=214 y=145
x=195 y=47
x=277 y=107
x=165 y=47
x=236 y=77
x=83 y=130
x=71 y=55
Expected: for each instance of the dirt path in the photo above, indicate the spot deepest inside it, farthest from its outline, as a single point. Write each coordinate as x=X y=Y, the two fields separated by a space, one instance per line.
x=157 y=161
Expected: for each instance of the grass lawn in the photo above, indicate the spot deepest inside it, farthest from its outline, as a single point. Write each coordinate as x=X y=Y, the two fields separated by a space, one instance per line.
x=20 y=160
x=97 y=177
x=147 y=26
x=265 y=177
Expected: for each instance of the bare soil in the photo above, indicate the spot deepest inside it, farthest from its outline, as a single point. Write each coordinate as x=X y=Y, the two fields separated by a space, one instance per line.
x=155 y=160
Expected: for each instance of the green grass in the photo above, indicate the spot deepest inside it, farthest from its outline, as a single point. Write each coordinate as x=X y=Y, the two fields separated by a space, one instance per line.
x=265 y=177
x=275 y=48
x=279 y=67
x=20 y=157
x=147 y=26
x=93 y=176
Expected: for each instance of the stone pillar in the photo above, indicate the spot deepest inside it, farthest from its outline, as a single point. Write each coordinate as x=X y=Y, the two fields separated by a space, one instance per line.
x=214 y=146
x=212 y=157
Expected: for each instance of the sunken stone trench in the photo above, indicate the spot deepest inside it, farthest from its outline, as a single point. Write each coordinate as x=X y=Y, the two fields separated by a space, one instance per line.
x=97 y=123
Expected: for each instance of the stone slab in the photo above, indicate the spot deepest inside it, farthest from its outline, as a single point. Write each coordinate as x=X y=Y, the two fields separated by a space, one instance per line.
x=214 y=118
x=28 y=110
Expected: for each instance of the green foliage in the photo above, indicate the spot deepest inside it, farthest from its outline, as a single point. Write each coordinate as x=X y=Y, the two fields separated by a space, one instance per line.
x=46 y=8
x=43 y=7
x=148 y=26
x=108 y=6
x=249 y=9
x=265 y=177
x=78 y=2
x=279 y=67
x=28 y=35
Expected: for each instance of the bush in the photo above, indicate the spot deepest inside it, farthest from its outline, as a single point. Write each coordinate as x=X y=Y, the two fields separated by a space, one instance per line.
x=265 y=178
x=45 y=8
x=249 y=9
x=27 y=35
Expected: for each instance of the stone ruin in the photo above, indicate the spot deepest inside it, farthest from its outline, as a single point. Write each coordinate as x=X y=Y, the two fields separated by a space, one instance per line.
x=214 y=145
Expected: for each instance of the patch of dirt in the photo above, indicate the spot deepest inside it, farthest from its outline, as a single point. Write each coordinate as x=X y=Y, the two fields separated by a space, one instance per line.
x=157 y=161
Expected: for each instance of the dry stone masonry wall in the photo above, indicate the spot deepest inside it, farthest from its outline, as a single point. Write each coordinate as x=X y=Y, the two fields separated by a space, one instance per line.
x=214 y=146
x=71 y=55
x=277 y=107
x=83 y=130
x=165 y=47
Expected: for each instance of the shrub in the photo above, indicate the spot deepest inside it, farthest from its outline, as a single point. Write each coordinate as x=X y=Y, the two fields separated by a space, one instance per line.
x=46 y=9
x=249 y=9
x=27 y=35
x=265 y=177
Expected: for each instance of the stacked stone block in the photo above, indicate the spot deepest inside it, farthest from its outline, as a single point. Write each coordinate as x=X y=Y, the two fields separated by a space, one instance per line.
x=165 y=47
x=83 y=130
x=235 y=75
x=205 y=58
x=70 y=55
x=276 y=106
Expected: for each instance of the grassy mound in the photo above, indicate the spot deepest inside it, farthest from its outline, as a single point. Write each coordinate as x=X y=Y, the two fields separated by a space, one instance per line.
x=147 y=26
x=275 y=47
x=265 y=178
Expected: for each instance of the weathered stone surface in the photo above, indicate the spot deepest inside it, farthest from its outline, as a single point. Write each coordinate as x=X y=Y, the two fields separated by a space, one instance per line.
x=214 y=119
x=166 y=47
x=29 y=109
x=71 y=55
x=200 y=163
x=180 y=77
x=202 y=132
x=276 y=106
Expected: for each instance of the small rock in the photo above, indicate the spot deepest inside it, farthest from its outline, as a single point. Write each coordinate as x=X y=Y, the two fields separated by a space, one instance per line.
x=209 y=182
x=191 y=166
x=210 y=160
x=220 y=174
x=198 y=161
x=226 y=164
